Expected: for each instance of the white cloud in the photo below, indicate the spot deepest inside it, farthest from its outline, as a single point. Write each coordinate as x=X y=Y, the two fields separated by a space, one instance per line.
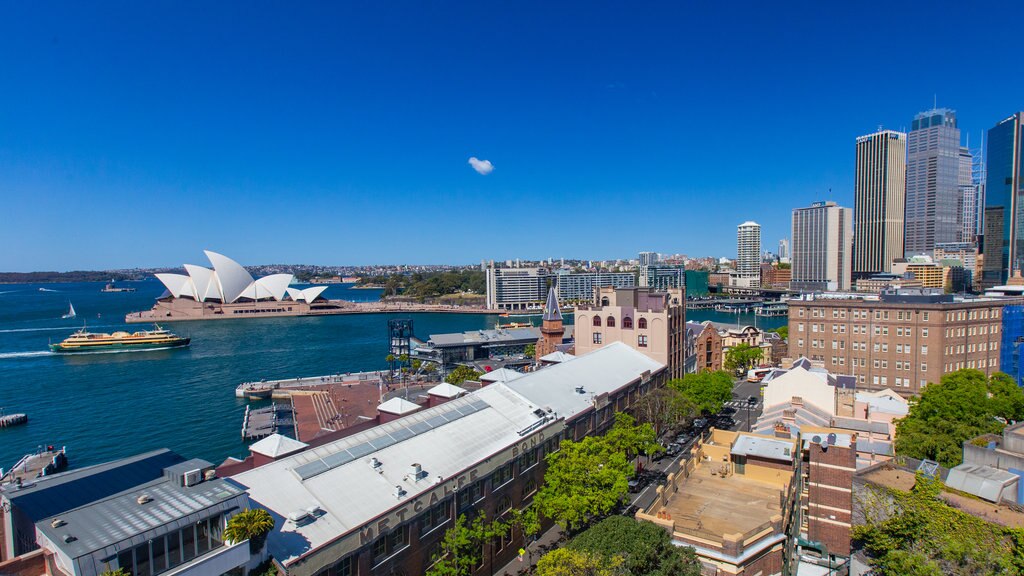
x=482 y=166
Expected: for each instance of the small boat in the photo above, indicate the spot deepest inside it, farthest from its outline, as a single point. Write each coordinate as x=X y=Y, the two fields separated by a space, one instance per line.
x=111 y=288
x=83 y=341
x=71 y=312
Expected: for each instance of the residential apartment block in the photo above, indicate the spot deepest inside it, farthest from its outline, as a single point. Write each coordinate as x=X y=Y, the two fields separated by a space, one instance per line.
x=822 y=247
x=649 y=321
x=901 y=341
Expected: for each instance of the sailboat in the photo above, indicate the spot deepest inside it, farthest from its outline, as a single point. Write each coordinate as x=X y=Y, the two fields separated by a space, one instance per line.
x=71 y=311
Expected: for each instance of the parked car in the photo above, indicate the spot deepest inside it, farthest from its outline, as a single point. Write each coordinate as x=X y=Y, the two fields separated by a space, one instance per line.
x=728 y=411
x=753 y=400
x=726 y=422
x=683 y=439
x=700 y=423
x=673 y=449
x=635 y=485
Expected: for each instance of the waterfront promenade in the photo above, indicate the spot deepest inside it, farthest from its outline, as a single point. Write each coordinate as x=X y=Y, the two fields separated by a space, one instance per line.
x=179 y=310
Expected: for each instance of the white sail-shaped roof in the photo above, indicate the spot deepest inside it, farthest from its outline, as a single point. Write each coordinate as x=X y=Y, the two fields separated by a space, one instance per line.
x=310 y=294
x=204 y=282
x=294 y=293
x=274 y=285
x=232 y=277
x=177 y=284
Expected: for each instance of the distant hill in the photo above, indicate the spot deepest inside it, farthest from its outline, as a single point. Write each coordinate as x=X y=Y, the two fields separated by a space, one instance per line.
x=75 y=276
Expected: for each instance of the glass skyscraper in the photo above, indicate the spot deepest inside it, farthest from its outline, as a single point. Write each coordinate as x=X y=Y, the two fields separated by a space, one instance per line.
x=934 y=209
x=1004 y=219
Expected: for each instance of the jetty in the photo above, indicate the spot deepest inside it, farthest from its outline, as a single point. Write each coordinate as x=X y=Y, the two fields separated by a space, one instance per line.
x=282 y=389
x=43 y=462
x=8 y=420
x=263 y=422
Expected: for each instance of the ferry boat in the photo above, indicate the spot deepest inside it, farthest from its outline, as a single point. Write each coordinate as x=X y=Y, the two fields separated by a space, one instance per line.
x=83 y=341
x=110 y=287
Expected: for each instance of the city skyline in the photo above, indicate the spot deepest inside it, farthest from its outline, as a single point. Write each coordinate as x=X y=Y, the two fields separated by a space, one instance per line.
x=360 y=119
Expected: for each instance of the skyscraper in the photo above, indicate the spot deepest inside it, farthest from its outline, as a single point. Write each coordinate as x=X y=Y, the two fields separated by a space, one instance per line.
x=748 y=256
x=822 y=246
x=648 y=258
x=1004 y=244
x=968 y=196
x=934 y=209
x=783 y=250
x=880 y=192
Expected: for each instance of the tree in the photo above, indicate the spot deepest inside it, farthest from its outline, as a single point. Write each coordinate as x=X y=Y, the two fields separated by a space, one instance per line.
x=963 y=405
x=530 y=350
x=630 y=438
x=122 y=571
x=664 y=408
x=461 y=374
x=417 y=364
x=566 y=562
x=463 y=543
x=253 y=525
x=390 y=358
x=645 y=549
x=708 y=391
x=782 y=331
x=742 y=356
x=403 y=358
x=584 y=480
x=429 y=368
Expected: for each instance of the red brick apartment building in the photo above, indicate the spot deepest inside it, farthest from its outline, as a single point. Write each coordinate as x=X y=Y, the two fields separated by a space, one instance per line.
x=901 y=341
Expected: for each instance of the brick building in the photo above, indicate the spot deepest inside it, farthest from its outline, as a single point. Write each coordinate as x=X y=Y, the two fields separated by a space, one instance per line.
x=707 y=346
x=647 y=320
x=551 y=329
x=900 y=340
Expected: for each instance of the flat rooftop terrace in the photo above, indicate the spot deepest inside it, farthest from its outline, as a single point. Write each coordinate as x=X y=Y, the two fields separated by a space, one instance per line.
x=709 y=503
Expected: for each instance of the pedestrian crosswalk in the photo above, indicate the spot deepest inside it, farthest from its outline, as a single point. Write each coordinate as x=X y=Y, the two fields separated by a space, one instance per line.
x=739 y=404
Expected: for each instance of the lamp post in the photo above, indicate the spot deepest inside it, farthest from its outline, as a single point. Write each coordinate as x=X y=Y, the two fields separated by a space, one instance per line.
x=751 y=402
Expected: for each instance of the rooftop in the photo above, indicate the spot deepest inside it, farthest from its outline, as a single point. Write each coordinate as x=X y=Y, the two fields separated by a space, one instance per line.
x=500 y=335
x=708 y=503
x=276 y=446
x=774 y=449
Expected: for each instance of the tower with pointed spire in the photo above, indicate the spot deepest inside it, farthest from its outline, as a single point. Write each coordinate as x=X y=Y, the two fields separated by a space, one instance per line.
x=551 y=329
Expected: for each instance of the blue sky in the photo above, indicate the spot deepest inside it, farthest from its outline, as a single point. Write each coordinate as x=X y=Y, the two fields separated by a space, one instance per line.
x=139 y=133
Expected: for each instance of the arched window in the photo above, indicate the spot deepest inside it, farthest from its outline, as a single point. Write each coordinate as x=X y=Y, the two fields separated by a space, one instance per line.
x=597 y=320
x=642 y=323
x=611 y=322
x=529 y=488
x=504 y=505
x=604 y=301
x=627 y=322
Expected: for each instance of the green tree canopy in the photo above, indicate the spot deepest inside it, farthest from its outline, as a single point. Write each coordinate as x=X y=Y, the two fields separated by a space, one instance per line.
x=782 y=331
x=742 y=356
x=963 y=405
x=462 y=373
x=566 y=562
x=530 y=350
x=645 y=549
x=917 y=533
x=253 y=525
x=630 y=438
x=708 y=391
x=664 y=408
x=584 y=480
x=462 y=546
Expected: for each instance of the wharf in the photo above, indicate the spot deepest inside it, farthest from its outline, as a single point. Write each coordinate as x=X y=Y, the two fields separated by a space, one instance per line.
x=282 y=389
x=263 y=422
x=179 y=310
x=43 y=462
x=9 y=420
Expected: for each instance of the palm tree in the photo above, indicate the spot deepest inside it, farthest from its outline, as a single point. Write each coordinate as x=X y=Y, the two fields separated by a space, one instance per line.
x=252 y=525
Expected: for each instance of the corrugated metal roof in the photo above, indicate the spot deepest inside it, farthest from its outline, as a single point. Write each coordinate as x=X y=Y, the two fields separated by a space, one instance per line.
x=120 y=517
x=775 y=449
x=982 y=481
x=54 y=494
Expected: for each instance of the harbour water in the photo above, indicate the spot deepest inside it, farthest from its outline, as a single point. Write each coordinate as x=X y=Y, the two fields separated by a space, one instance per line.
x=106 y=406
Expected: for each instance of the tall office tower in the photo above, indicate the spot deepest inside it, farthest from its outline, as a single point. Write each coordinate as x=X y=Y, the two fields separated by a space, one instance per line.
x=880 y=192
x=822 y=246
x=1004 y=243
x=748 y=256
x=934 y=201
x=648 y=258
x=978 y=178
x=783 y=249
x=968 y=196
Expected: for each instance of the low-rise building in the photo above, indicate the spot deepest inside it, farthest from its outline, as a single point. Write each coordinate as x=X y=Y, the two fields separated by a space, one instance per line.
x=378 y=502
x=900 y=340
x=707 y=346
x=647 y=320
x=883 y=282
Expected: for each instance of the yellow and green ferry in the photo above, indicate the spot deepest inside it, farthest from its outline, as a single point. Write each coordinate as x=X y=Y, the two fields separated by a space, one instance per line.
x=83 y=341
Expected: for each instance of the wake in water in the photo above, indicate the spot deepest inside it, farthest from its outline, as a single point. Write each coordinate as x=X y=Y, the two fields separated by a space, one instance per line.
x=48 y=329
x=4 y=355
x=46 y=290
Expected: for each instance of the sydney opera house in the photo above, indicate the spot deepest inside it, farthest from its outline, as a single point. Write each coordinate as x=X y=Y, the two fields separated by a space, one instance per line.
x=227 y=290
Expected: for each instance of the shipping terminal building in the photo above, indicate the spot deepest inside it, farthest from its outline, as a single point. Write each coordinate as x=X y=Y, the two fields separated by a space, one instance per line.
x=379 y=502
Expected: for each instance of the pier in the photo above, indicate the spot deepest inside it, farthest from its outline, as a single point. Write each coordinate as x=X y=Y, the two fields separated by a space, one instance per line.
x=263 y=422
x=9 y=420
x=43 y=462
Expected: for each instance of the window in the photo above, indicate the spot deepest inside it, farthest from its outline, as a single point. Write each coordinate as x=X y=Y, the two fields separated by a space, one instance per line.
x=627 y=322
x=504 y=505
x=924 y=350
x=390 y=543
x=597 y=320
x=343 y=568
x=597 y=337
x=436 y=516
x=527 y=460
x=529 y=488
x=800 y=327
x=924 y=316
x=610 y=322
x=501 y=476
x=641 y=340
x=642 y=323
